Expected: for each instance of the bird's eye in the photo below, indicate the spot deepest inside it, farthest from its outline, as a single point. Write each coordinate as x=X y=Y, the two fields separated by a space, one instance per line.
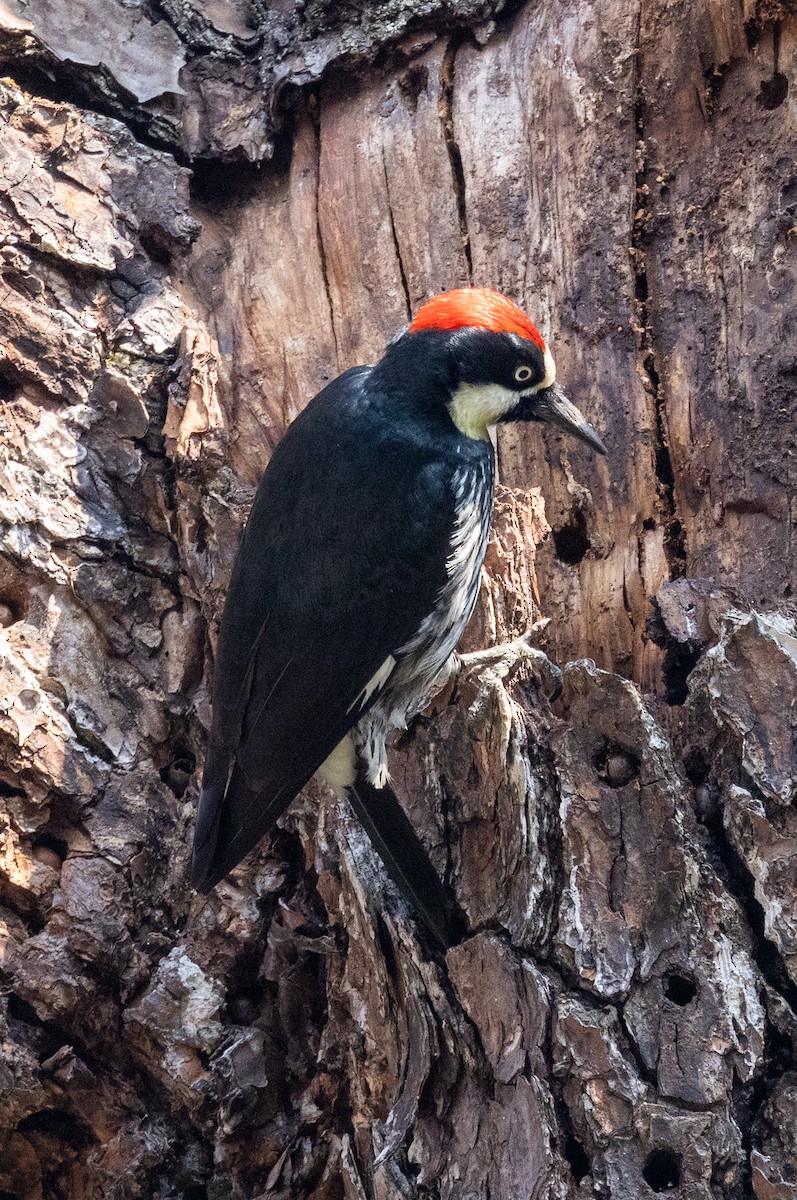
x=523 y=374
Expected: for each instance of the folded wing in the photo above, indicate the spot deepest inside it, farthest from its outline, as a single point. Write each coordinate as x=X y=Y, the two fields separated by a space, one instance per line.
x=338 y=566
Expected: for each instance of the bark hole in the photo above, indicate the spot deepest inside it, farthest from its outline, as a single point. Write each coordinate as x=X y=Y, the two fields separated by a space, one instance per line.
x=412 y=83
x=10 y=611
x=9 y=384
x=245 y=999
x=773 y=91
x=679 y=661
x=51 y=850
x=679 y=987
x=212 y=186
x=571 y=541
x=706 y=794
x=8 y=791
x=695 y=766
x=20 y=1010
x=47 y=1039
x=65 y=1127
x=662 y=1170
x=616 y=766
x=14 y=590
x=177 y=774
x=715 y=78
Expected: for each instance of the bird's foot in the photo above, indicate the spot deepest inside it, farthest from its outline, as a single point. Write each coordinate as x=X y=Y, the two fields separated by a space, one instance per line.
x=497 y=662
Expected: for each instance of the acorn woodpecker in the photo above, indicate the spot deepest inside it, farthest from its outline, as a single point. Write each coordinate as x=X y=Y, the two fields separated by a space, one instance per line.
x=356 y=575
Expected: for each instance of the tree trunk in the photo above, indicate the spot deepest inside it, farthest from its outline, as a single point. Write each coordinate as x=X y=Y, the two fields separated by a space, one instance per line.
x=620 y=1020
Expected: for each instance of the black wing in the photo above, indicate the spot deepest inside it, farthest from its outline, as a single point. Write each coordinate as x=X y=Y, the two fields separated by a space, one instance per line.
x=343 y=556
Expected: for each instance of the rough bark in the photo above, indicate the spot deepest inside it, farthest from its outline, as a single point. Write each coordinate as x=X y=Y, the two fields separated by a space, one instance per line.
x=620 y=1020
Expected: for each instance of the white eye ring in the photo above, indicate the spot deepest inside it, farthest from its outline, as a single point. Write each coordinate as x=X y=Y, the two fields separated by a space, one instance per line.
x=523 y=374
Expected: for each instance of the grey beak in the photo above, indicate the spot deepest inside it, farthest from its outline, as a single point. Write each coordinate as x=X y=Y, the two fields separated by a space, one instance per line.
x=554 y=407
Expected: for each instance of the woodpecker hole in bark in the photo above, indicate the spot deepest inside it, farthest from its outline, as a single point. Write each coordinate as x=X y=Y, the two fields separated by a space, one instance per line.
x=695 y=766
x=53 y=1125
x=616 y=766
x=49 y=849
x=8 y=791
x=662 y=1170
x=177 y=774
x=679 y=988
x=774 y=91
x=412 y=83
x=13 y=599
x=678 y=664
x=7 y=616
x=571 y=541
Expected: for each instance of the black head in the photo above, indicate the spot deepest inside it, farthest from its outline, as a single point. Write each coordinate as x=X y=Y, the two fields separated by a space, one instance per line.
x=496 y=364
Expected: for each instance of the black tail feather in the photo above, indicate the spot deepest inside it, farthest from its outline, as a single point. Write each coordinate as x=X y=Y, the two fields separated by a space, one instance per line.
x=232 y=818
x=211 y=802
x=231 y=824
x=406 y=860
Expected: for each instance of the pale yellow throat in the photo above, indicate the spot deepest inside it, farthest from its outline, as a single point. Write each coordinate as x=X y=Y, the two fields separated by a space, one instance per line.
x=474 y=407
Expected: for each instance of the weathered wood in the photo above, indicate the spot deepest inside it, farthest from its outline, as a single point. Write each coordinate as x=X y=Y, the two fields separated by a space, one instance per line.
x=206 y=79
x=620 y=1021
x=549 y=196
x=719 y=252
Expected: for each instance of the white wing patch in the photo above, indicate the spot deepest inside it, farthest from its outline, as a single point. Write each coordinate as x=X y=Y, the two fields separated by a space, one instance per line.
x=375 y=683
x=465 y=547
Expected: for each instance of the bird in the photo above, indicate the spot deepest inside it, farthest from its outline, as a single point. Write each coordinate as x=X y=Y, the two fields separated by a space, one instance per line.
x=357 y=571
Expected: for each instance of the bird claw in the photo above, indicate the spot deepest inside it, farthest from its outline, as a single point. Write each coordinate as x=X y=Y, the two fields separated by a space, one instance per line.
x=497 y=662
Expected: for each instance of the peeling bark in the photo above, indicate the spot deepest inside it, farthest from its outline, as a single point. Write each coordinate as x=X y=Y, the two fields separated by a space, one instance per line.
x=618 y=825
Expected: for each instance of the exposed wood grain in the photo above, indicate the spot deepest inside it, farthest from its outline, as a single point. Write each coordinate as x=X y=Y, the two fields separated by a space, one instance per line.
x=550 y=205
x=387 y=207
x=720 y=252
